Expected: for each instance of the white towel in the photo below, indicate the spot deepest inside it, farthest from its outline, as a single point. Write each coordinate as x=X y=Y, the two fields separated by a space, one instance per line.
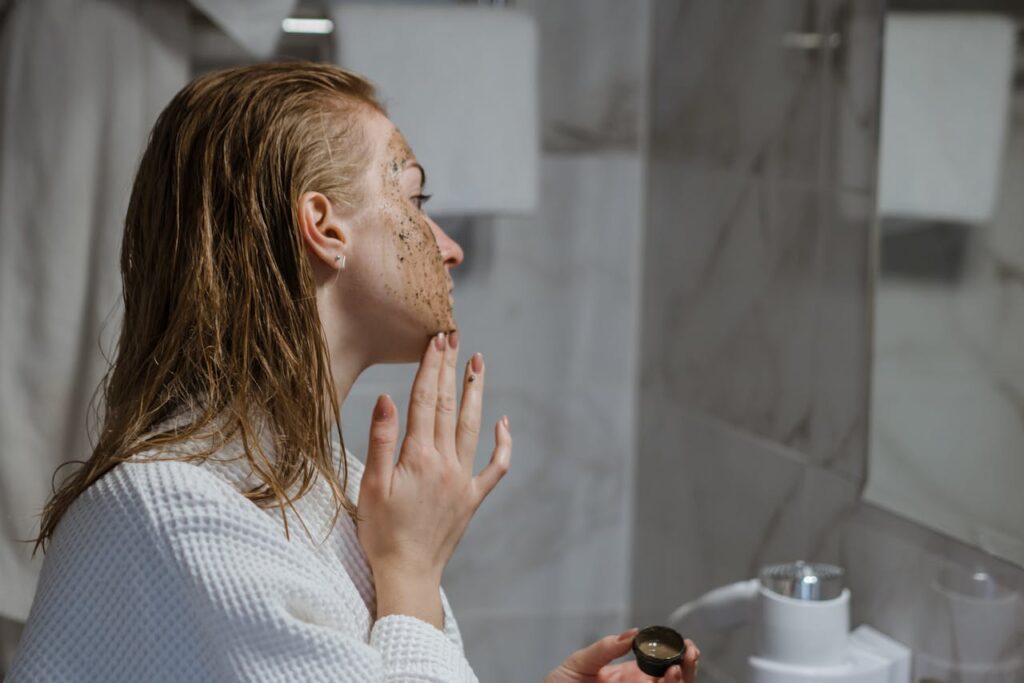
x=945 y=104
x=461 y=84
x=82 y=83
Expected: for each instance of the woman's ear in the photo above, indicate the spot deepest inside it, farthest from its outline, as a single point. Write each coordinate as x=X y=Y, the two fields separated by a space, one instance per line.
x=324 y=232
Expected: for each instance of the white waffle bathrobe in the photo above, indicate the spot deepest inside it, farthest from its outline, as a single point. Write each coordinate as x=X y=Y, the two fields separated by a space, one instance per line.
x=163 y=571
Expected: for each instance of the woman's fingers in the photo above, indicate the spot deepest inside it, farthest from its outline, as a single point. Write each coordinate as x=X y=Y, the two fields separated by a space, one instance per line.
x=423 y=399
x=594 y=657
x=468 y=433
x=380 y=454
x=691 y=662
x=444 y=415
x=498 y=466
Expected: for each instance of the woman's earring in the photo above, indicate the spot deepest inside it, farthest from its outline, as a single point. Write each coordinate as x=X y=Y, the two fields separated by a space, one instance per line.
x=340 y=259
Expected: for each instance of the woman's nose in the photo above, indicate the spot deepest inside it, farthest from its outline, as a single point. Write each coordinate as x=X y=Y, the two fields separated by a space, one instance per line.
x=451 y=252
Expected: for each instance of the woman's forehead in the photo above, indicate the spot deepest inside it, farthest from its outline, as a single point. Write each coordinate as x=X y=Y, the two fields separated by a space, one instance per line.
x=392 y=154
x=398 y=146
x=392 y=149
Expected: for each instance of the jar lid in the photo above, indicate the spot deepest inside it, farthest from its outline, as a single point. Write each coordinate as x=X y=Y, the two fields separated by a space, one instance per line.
x=657 y=648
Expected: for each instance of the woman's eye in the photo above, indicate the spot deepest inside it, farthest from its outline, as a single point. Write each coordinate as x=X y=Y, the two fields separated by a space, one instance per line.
x=421 y=199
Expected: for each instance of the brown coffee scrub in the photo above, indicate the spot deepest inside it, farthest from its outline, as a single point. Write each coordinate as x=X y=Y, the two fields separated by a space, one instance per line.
x=425 y=278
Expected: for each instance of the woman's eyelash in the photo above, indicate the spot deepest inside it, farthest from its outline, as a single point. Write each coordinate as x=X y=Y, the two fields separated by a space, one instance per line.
x=421 y=199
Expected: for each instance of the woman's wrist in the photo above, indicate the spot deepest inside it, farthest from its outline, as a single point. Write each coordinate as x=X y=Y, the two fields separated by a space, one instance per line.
x=414 y=596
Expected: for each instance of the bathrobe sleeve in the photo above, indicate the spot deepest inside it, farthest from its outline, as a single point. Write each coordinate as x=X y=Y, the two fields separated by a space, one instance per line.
x=166 y=573
x=270 y=613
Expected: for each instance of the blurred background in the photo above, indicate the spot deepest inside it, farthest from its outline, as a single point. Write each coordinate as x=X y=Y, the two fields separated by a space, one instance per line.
x=748 y=275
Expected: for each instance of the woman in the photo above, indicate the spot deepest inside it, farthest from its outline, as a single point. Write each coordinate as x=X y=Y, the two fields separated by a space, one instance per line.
x=275 y=246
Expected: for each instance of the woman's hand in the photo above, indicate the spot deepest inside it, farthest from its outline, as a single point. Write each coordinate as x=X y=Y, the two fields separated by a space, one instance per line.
x=412 y=513
x=591 y=664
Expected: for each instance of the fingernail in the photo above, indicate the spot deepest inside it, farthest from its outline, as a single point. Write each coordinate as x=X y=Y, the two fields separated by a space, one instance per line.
x=629 y=633
x=504 y=421
x=380 y=411
x=478 y=362
x=439 y=342
x=453 y=340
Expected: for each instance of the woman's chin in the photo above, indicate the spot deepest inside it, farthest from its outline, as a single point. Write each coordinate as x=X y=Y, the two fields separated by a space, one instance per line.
x=407 y=345
x=444 y=323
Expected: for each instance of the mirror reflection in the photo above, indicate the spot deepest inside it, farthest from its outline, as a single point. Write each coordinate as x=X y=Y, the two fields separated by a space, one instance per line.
x=947 y=402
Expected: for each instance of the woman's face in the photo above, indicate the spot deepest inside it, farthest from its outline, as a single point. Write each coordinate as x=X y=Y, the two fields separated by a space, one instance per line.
x=397 y=266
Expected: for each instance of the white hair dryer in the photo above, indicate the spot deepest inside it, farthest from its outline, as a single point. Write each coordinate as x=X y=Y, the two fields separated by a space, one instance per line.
x=802 y=616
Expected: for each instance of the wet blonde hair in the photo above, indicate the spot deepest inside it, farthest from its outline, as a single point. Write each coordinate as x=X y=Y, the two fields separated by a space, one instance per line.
x=220 y=311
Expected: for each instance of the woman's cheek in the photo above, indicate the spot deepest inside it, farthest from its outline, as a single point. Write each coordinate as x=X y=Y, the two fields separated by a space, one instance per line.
x=424 y=276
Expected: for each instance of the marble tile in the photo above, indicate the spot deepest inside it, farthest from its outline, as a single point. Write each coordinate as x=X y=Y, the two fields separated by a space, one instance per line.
x=733 y=91
x=828 y=502
x=837 y=429
x=713 y=506
x=1005 y=236
x=593 y=57
x=756 y=307
x=728 y=261
x=797 y=101
x=554 y=536
x=853 y=98
x=515 y=648
x=566 y=281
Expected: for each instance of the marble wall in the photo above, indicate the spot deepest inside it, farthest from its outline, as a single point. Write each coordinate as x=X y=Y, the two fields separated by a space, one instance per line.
x=552 y=302
x=756 y=327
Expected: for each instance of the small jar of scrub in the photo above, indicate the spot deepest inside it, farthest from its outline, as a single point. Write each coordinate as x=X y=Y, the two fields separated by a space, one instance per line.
x=657 y=649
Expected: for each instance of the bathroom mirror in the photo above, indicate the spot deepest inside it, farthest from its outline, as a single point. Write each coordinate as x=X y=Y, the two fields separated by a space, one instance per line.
x=947 y=399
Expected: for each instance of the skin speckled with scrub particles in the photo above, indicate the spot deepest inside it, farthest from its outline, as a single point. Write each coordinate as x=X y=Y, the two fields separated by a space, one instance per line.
x=422 y=266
